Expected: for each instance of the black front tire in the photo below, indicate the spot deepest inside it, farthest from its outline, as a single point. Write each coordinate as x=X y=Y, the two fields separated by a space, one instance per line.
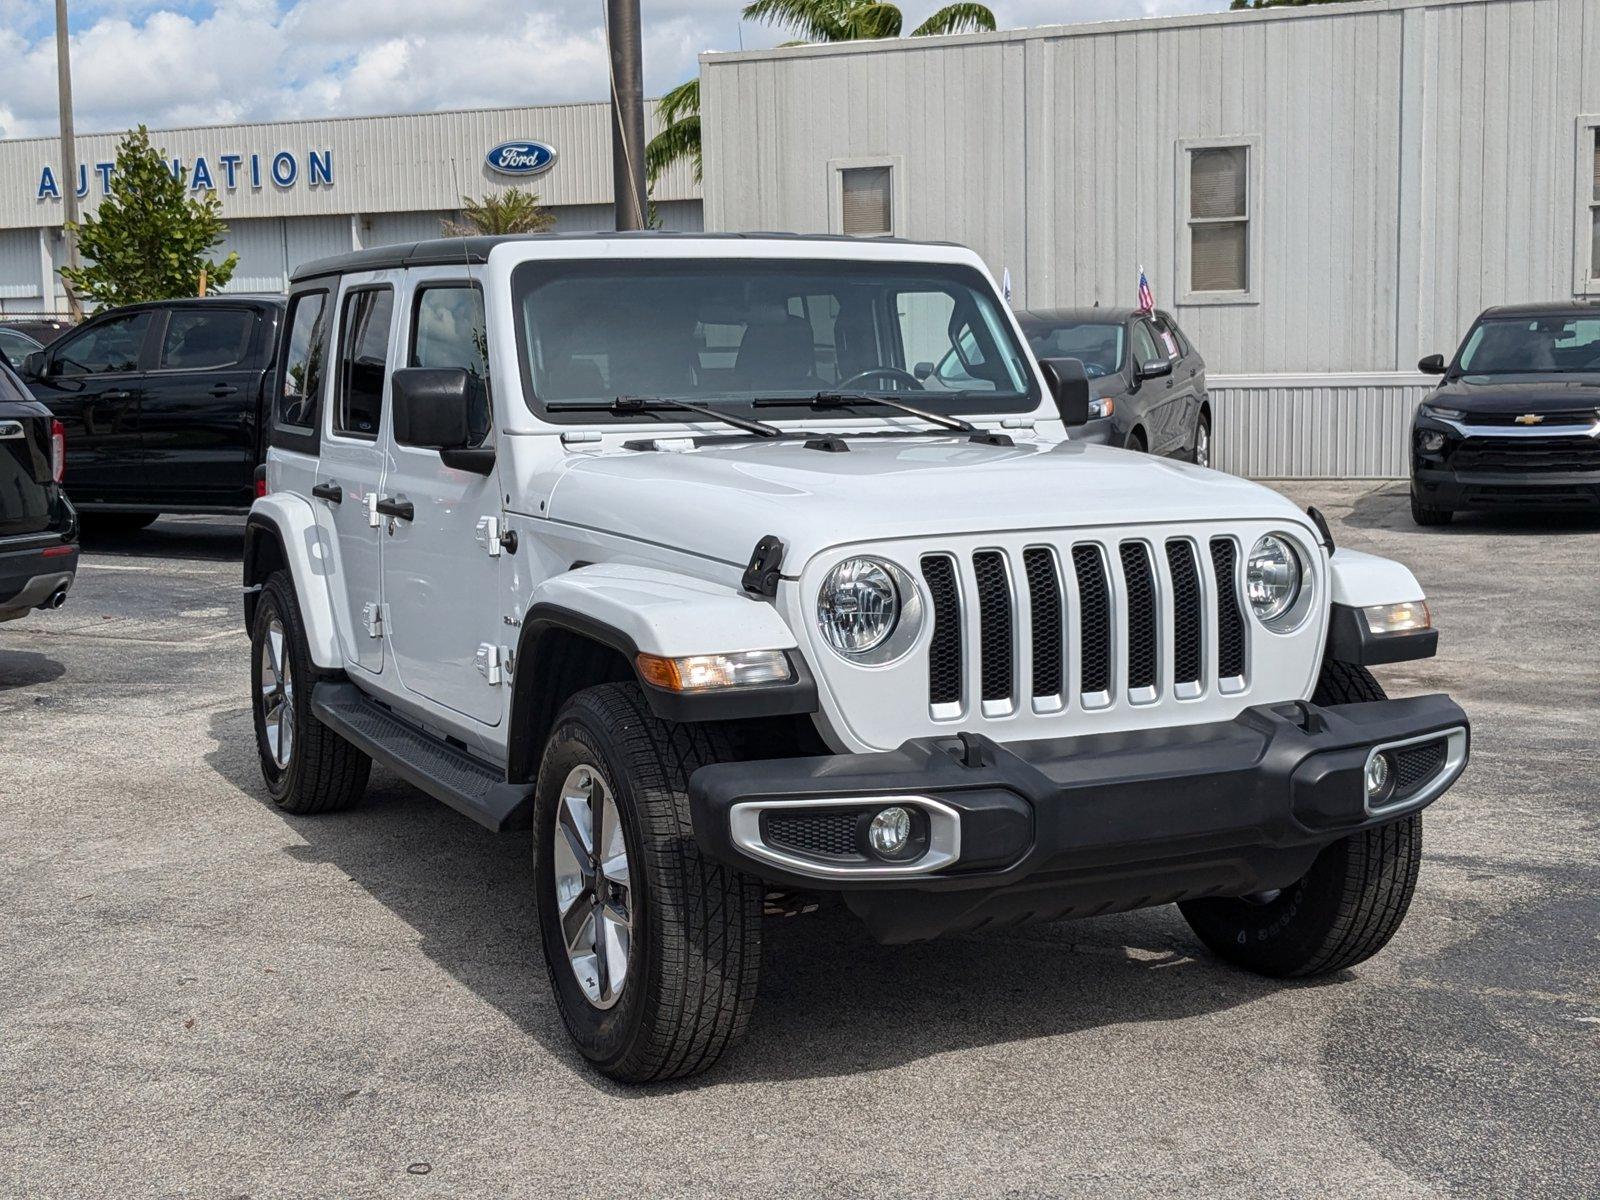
x=1422 y=514
x=1341 y=912
x=321 y=772
x=695 y=951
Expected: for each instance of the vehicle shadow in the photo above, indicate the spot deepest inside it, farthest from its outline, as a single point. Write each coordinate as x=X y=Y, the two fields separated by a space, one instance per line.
x=1389 y=507
x=212 y=539
x=832 y=1001
x=23 y=668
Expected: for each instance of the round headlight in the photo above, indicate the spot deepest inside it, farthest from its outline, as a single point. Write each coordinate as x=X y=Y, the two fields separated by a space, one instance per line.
x=1273 y=578
x=858 y=606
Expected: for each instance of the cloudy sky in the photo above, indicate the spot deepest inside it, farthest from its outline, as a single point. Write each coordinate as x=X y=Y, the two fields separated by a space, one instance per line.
x=184 y=62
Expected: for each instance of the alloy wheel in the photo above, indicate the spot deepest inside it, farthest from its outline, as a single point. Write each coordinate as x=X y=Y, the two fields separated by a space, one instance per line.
x=277 y=695
x=1202 y=445
x=594 y=892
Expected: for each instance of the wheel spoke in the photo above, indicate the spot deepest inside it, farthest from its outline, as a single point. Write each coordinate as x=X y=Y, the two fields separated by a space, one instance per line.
x=577 y=922
x=275 y=650
x=593 y=885
x=572 y=825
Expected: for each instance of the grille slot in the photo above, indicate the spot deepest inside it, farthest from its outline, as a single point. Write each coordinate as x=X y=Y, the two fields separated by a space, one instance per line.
x=1044 y=604
x=1141 y=584
x=1094 y=619
x=818 y=833
x=1415 y=766
x=1532 y=455
x=994 y=613
x=1186 y=616
x=944 y=651
x=1230 y=616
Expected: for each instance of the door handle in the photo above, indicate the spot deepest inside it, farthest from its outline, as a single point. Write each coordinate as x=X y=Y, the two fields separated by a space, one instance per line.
x=393 y=506
x=116 y=395
x=223 y=389
x=331 y=492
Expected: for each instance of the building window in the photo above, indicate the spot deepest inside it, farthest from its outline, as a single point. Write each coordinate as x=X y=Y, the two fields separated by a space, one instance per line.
x=1594 y=204
x=866 y=201
x=1219 y=219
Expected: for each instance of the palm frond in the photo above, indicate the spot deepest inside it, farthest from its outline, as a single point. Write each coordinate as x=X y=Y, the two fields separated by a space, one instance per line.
x=681 y=101
x=678 y=141
x=814 y=20
x=957 y=18
x=872 y=20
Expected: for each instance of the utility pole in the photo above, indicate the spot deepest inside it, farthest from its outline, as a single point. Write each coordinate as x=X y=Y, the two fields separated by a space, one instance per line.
x=69 y=150
x=627 y=112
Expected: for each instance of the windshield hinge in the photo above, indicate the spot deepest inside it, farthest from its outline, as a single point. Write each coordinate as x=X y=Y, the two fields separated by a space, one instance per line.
x=762 y=576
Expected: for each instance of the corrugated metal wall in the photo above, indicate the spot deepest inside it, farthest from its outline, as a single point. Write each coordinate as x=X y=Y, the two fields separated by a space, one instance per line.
x=1314 y=427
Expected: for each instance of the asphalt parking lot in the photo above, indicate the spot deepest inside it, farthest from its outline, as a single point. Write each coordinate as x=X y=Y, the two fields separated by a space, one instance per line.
x=202 y=996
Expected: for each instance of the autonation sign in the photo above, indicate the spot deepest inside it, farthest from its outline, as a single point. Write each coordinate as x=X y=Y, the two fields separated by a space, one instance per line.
x=206 y=173
x=521 y=158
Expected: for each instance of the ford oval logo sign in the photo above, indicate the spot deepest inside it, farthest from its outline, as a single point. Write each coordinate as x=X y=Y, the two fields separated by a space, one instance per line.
x=520 y=158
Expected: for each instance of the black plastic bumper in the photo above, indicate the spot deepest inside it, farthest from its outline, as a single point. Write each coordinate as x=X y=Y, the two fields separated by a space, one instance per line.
x=31 y=576
x=1462 y=491
x=1078 y=826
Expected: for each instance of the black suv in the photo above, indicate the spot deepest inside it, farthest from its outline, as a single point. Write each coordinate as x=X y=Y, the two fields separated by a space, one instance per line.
x=1515 y=422
x=38 y=527
x=1147 y=382
x=162 y=404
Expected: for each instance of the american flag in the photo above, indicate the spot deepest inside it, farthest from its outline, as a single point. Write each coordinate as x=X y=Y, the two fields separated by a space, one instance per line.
x=1147 y=298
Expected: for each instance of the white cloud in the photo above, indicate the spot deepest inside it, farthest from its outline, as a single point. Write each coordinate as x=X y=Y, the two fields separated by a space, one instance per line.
x=181 y=62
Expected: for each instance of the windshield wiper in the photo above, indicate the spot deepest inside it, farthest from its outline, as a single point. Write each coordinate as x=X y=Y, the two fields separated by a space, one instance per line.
x=846 y=399
x=624 y=406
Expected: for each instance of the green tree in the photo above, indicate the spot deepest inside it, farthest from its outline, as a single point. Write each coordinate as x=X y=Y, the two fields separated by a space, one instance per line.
x=149 y=238
x=813 y=21
x=510 y=211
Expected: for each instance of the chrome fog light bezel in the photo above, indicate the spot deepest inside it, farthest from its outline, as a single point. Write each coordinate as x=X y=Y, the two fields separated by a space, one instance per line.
x=908 y=619
x=938 y=840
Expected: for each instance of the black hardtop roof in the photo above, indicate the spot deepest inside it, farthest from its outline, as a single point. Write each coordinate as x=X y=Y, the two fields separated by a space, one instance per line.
x=474 y=251
x=1542 y=308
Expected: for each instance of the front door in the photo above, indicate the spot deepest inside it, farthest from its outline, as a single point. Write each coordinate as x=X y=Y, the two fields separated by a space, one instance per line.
x=351 y=468
x=441 y=569
x=93 y=387
x=198 y=414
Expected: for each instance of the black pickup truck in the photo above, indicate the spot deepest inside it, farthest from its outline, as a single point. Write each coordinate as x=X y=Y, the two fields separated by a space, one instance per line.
x=38 y=527
x=162 y=405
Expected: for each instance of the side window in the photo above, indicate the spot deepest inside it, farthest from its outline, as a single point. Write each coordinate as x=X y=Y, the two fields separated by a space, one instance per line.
x=306 y=345
x=363 y=361
x=1144 y=344
x=201 y=338
x=1166 y=337
x=448 y=330
x=106 y=348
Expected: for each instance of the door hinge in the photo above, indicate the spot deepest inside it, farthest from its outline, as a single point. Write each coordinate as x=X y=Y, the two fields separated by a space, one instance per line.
x=374 y=615
x=494 y=663
x=370 y=500
x=488 y=535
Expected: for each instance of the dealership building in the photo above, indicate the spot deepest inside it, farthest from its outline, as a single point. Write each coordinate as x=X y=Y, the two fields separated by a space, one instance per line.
x=1321 y=194
x=297 y=190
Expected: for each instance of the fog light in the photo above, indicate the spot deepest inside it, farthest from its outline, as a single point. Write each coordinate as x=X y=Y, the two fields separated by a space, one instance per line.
x=1380 y=778
x=890 y=832
x=1430 y=441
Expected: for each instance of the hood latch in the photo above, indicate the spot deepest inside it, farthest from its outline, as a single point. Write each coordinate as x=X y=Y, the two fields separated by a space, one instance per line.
x=762 y=576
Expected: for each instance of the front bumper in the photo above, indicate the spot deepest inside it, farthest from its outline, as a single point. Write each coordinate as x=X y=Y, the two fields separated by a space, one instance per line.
x=1078 y=826
x=1462 y=491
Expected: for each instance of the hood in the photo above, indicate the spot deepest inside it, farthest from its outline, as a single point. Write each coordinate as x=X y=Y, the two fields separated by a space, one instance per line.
x=718 y=501
x=1519 y=393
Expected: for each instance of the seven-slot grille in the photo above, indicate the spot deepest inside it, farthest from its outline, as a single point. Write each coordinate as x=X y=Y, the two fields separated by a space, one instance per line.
x=1081 y=621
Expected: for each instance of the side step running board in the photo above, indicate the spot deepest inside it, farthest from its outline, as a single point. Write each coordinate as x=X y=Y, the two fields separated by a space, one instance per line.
x=467 y=785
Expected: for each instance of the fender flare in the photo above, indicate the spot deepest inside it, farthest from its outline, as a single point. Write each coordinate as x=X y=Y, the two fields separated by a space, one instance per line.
x=1357 y=581
x=289 y=521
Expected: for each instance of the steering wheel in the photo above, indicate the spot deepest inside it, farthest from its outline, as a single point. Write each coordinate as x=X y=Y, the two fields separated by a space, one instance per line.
x=894 y=373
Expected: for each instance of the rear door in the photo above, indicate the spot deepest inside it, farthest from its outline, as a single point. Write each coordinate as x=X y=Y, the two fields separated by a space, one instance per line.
x=94 y=388
x=25 y=465
x=198 y=412
x=1188 y=377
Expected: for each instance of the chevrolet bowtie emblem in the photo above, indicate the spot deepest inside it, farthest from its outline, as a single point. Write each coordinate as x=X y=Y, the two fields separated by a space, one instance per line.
x=1530 y=419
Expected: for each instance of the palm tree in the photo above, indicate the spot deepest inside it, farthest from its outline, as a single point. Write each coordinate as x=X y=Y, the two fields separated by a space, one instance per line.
x=814 y=21
x=510 y=211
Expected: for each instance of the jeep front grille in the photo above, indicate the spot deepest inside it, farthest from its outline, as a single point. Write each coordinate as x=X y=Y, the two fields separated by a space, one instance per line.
x=1153 y=613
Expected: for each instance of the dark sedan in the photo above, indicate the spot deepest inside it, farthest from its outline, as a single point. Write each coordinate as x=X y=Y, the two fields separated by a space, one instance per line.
x=1147 y=383
x=1515 y=421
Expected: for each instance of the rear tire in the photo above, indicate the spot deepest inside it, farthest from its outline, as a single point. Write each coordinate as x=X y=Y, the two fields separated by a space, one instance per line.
x=1342 y=911
x=1202 y=441
x=682 y=933
x=308 y=767
x=1422 y=514
x=1138 y=442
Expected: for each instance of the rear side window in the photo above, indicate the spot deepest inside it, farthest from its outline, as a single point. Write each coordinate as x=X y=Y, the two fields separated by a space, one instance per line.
x=1167 y=337
x=108 y=348
x=304 y=348
x=206 y=338
x=363 y=361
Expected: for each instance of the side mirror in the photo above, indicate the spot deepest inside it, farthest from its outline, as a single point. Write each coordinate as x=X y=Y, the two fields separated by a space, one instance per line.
x=922 y=370
x=1069 y=384
x=435 y=408
x=33 y=365
x=1432 y=365
x=1155 y=368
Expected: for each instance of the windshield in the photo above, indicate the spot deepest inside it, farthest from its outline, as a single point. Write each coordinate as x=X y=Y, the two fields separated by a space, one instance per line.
x=1526 y=345
x=728 y=332
x=1096 y=344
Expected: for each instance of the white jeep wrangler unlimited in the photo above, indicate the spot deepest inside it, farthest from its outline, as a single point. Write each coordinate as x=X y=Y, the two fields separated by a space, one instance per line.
x=743 y=569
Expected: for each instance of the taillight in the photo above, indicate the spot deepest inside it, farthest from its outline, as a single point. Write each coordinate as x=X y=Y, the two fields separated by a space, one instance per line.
x=261 y=481
x=58 y=451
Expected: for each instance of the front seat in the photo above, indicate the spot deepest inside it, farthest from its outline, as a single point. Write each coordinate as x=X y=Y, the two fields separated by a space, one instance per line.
x=777 y=355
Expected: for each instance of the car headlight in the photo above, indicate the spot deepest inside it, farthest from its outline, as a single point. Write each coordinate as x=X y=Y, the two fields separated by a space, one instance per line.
x=1101 y=408
x=1442 y=412
x=868 y=610
x=1274 y=580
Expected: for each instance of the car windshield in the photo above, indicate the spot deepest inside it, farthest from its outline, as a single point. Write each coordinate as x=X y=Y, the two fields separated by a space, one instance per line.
x=730 y=332
x=1096 y=344
x=1529 y=345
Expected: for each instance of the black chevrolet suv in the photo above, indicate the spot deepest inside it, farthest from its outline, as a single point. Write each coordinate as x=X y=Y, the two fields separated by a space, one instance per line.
x=1515 y=420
